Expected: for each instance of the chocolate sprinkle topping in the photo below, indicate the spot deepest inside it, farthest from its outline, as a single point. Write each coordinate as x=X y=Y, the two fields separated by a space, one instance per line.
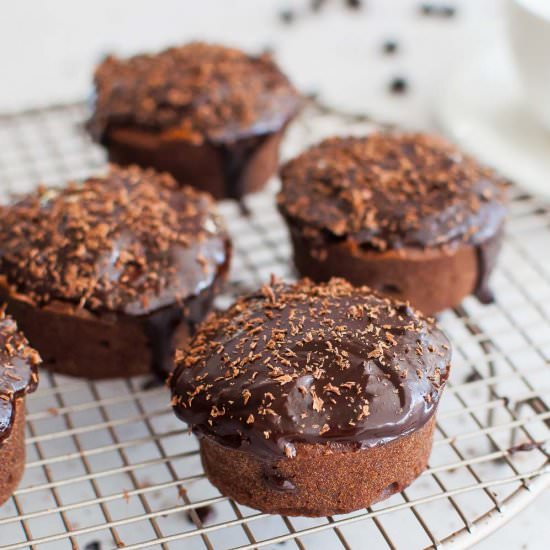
x=18 y=371
x=196 y=92
x=326 y=363
x=130 y=241
x=392 y=190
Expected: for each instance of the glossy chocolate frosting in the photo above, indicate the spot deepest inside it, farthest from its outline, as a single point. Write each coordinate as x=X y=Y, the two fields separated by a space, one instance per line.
x=391 y=191
x=131 y=242
x=196 y=92
x=326 y=363
x=18 y=371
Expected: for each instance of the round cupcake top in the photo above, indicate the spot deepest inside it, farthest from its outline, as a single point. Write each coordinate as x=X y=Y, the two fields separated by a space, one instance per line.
x=391 y=190
x=18 y=371
x=130 y=241
x=199 y=91
x=311 y=363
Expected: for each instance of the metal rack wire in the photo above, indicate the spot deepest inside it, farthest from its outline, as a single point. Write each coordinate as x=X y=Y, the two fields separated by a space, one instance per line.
x=108 y=465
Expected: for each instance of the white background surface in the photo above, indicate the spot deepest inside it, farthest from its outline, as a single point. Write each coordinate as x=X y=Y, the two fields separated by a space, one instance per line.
x=48 y=50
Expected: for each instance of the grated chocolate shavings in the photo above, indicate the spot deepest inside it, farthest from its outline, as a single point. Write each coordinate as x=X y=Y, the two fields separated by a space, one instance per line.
x=196 y=92
x=130 y=241
x=390 y=191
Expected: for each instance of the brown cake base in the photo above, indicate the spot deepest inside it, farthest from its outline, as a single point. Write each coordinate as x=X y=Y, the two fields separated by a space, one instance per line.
x=322 y=479
x=12 y=454
x=76 y=342
x=229 y=170
x=430 y=279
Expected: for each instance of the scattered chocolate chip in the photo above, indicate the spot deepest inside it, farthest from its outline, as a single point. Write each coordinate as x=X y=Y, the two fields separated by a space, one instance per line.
x=205 y=514
x=287 y=16
x=398 y=85
x=390 y=47
x=437 y=10
x=316 y=5
x=448 y=11
x=354 y=4
x=427 y=9
x=94 y=545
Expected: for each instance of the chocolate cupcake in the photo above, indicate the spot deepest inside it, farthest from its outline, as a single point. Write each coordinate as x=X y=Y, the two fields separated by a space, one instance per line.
x=407 y=214
x=312 y=399
x=103 y=275
x=211 y=116
x=18 y=376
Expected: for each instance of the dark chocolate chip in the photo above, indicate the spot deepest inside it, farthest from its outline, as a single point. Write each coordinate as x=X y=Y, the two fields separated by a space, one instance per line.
x=287 y=16
x=390 y=46
x=427 y=9
x=316 y=5
x=448 y=11
x=205 y=513
x=398 y=85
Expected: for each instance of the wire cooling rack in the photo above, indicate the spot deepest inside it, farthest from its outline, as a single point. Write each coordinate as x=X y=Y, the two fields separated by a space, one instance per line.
x=108 y=465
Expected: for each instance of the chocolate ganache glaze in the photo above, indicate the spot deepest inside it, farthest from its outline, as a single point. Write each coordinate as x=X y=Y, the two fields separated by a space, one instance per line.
x=18 y=371
x=390 y=191
x=130 y=242
x=326 y=363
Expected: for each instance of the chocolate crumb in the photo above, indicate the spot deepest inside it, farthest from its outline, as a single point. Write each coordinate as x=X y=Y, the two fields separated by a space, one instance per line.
x=427 y=9
x=527 y=446
x=205 y=513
